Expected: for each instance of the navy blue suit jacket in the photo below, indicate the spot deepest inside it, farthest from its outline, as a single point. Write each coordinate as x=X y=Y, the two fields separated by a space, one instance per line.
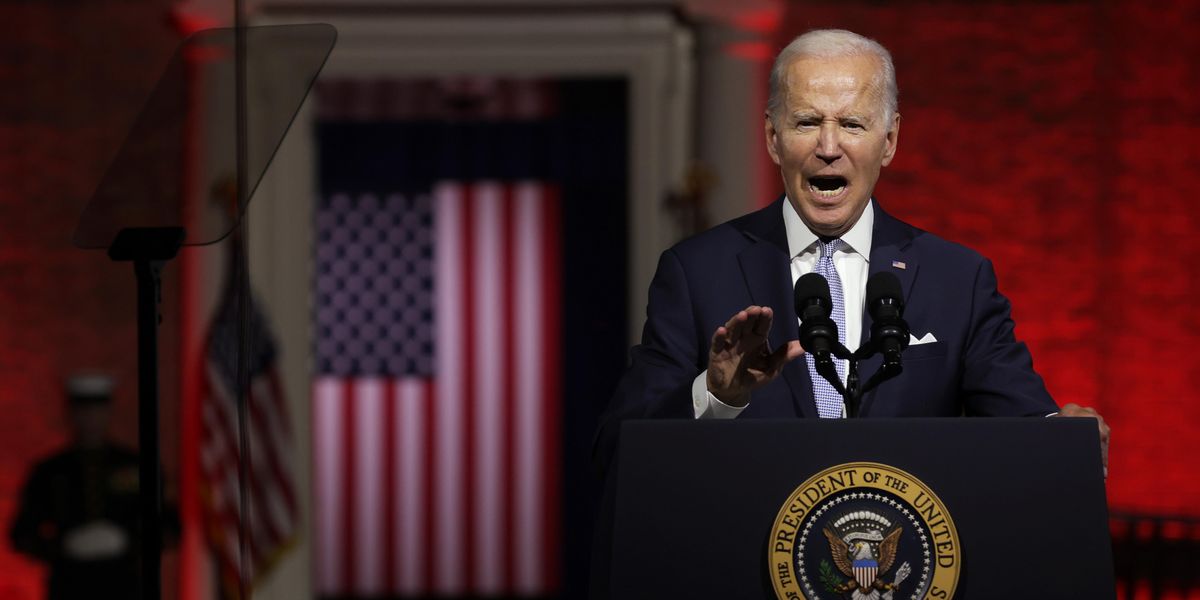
x=976 y=366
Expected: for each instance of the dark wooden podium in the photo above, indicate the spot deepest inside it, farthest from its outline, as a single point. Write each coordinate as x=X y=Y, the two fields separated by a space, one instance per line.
x=695 y=501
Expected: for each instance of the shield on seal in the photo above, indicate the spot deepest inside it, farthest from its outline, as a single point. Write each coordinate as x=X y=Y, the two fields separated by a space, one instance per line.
x=865 y=571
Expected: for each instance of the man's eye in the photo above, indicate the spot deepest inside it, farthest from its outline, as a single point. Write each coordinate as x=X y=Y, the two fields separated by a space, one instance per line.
x=853 y=125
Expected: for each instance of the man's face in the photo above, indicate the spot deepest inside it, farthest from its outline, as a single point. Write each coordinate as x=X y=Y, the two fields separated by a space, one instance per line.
x=831 y=139
x=89 y=424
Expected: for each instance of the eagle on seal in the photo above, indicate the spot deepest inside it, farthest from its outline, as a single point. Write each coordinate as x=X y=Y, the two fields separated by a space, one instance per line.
x=858 y=562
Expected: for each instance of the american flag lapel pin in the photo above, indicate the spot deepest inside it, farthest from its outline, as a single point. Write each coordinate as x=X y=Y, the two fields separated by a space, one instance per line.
x=899 y=265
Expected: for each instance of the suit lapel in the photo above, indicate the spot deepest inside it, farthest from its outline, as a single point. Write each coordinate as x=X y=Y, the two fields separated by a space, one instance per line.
x=891 y=251
x=767 y=272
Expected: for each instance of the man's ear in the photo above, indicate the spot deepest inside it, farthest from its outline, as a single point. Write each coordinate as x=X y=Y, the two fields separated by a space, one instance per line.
x=892 y=140
x=772 y=137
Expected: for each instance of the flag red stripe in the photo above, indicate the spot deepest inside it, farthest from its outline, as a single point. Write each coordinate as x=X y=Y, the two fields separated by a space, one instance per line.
x=526 y=430
x=349 y=542
x=369 y=493
x=520 y=314
x=389 y=485
x=328 y=492
x=228 y=521
x=412 y=458
x=469 y=374
x=552 y=390
x=228 y=570
x=427 y=532
x=508 y=358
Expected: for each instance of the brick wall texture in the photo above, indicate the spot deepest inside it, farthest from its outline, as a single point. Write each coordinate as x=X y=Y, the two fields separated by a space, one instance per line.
x=74 y=73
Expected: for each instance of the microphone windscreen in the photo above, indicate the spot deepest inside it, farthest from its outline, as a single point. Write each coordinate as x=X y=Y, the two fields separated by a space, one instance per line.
x=810 y=287
x=884 y=285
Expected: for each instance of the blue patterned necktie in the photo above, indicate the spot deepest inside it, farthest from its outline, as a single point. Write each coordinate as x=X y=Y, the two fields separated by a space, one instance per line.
x=829 y=401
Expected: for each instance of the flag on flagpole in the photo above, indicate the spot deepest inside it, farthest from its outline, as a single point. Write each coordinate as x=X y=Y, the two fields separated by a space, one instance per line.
x=435 y=404
x=272 y=520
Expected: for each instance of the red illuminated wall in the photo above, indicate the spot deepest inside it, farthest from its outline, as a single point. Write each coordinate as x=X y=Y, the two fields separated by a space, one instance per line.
x=1061 y=140
x=73 y=75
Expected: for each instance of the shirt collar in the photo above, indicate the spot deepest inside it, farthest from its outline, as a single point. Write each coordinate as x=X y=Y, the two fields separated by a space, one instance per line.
x=801 y=239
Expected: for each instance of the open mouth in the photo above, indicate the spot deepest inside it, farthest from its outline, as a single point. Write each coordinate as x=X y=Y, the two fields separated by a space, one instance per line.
x=827 y=186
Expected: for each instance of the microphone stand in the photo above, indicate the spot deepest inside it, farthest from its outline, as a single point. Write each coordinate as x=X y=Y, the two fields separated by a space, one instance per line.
x=852 y=392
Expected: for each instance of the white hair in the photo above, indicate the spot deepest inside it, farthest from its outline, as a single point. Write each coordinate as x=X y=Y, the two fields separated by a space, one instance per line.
x=833 y=43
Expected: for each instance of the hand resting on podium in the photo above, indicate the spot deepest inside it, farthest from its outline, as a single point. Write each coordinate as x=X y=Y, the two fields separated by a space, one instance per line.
x=1074 y=410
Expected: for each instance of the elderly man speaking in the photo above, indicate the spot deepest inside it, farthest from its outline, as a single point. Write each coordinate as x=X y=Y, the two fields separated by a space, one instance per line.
x=712 y=346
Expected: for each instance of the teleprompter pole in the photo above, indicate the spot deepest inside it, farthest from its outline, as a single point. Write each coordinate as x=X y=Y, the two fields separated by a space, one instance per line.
x=148 y=249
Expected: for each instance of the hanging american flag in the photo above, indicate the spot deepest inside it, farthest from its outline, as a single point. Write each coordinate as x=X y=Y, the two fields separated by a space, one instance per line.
x=435 y=406
x=272 y=523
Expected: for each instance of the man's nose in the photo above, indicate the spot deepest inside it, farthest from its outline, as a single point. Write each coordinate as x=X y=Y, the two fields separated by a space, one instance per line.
x=829 y=146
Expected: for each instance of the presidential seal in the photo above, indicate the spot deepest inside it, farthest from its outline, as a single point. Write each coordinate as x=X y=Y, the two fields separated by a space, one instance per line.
x=863 y=531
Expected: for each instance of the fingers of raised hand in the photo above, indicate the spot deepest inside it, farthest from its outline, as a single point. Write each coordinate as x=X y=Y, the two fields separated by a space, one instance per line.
x=745 y=335
x=720 y=340
x=736 y=325
x=749 y=327
x=761 y=326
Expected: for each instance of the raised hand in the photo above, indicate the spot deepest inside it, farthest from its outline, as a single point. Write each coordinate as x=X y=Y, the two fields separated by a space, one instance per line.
x=739 y=359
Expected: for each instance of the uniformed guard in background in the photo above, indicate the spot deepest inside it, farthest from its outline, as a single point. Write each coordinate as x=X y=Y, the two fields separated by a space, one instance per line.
x=78 y=511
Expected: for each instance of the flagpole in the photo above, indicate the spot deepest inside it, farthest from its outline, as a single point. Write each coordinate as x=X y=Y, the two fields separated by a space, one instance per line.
x=241 y=275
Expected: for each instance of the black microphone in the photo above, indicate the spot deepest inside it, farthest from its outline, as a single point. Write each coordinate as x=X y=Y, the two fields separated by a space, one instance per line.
x=818 y=332
x=885 y=303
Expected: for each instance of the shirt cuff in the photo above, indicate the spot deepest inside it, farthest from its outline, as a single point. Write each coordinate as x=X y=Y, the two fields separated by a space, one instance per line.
x=708 y=406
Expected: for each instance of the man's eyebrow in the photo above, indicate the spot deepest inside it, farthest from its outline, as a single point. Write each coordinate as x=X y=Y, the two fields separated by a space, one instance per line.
x=858 y=118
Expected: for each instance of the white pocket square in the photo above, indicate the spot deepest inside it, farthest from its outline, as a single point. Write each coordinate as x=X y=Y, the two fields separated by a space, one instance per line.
x=925 y=339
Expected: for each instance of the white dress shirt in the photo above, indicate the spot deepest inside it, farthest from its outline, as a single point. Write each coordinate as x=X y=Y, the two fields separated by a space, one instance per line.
x=852 y=262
